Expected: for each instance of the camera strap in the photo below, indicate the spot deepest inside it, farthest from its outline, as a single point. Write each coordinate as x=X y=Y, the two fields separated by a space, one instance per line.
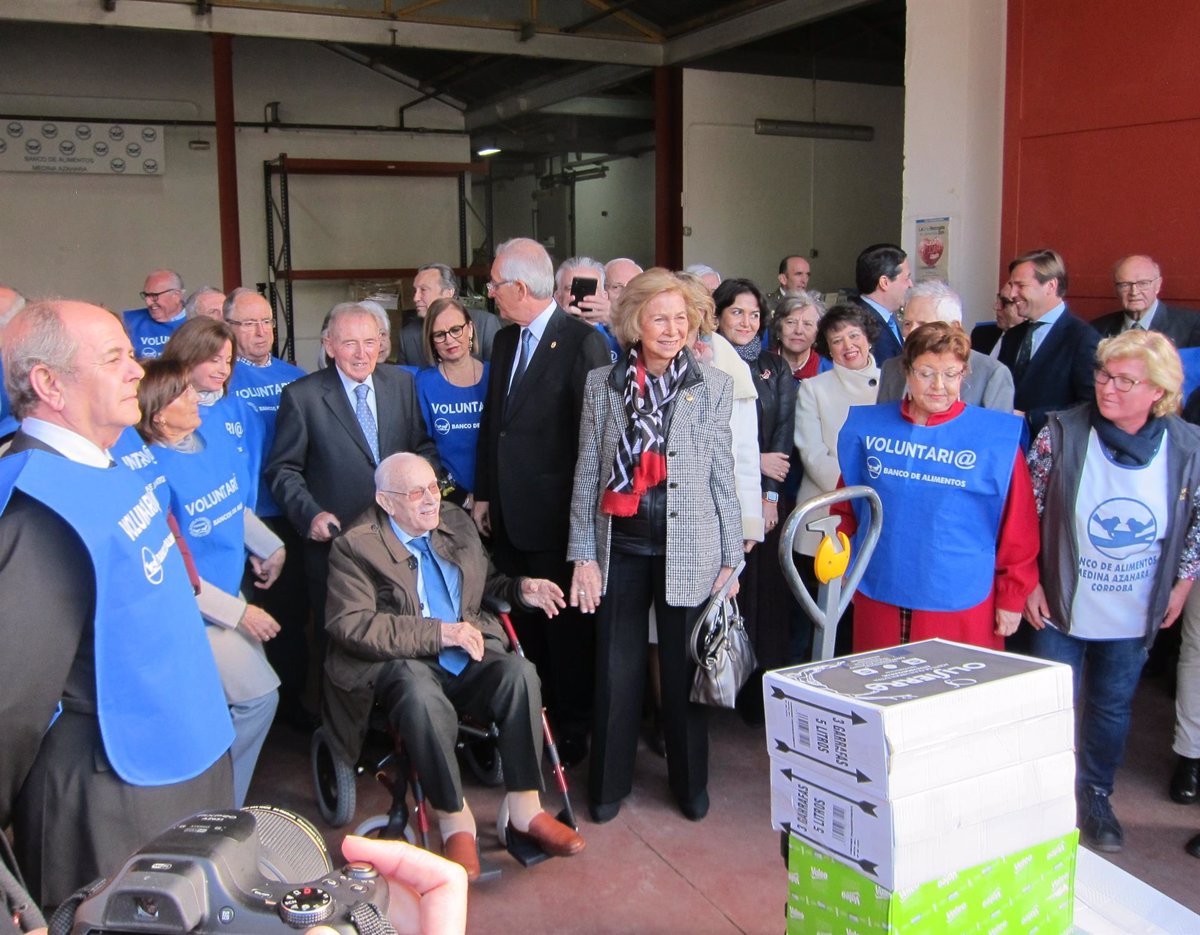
x=369 y=921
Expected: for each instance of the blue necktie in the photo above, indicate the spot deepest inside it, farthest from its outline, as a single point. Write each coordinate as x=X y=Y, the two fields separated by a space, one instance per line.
x=453 y=658
x=891 y=320
x=366 y=420
x=526 y=344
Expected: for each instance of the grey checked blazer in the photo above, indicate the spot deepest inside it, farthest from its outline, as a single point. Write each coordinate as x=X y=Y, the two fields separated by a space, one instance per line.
x=704 y=521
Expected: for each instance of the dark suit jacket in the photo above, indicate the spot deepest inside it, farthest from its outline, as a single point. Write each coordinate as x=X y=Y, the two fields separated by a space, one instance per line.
x=1060 y=374
x=885 y=346
x=984 y=337
x=1181 y=325
x=411 y=349
x=528 y=445
x=320 y=460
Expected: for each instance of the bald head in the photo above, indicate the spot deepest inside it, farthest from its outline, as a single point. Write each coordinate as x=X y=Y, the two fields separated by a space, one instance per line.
x=617 y=274
x=253 y=323
x=1137 y=281
x=406 y=488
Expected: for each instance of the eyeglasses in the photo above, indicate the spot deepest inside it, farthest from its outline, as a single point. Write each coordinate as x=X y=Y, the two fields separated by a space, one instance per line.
x=147 y=296
x=1140 y=285
x=1122 y=383
x=930 y=376
x=417 y=494
x=494 y=285
x=439 y=337
x=252 y=324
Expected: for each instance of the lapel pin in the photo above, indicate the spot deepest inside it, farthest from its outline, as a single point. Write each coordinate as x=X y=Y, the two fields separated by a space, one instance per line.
x=553 y=345
x=688 y=397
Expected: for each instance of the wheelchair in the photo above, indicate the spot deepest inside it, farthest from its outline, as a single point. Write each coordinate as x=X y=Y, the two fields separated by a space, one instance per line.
x=334 y=780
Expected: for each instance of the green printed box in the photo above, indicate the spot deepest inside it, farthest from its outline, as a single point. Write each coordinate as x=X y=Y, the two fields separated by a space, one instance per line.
x=1028 y=892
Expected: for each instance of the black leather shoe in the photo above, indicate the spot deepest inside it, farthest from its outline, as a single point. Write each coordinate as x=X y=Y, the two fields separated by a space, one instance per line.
x=695 y=808
x=1185 y=783
x=1098 y=826
x=603 y=811
x=1193 y=846
x=572 y=749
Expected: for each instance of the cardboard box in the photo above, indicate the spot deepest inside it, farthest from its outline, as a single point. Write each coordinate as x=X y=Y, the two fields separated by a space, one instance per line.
x=902 y=720
x=1029 y=892
x=903 y=841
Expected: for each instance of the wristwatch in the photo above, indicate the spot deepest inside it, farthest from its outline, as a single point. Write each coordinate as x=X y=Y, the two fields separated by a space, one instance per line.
x=771 y=496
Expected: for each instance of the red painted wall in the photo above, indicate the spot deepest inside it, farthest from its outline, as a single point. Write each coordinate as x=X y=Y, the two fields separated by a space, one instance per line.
x=1102 y=141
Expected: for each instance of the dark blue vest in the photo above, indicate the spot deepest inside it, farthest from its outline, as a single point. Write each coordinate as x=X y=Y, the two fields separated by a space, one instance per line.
x=943 y=489
x=160 y=704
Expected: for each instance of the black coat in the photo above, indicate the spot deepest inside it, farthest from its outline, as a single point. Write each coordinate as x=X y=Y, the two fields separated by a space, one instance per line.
x=1181 y=325
x=1060 y=374
x=776 y=408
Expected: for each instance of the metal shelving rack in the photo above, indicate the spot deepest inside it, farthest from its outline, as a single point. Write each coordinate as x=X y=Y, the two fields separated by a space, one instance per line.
x=281 y=273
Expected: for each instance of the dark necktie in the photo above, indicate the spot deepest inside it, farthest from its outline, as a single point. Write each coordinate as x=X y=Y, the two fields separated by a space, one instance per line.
x=1025 y=352
x=441 y=606
x=1136 y=326
x=523 y=362
x=366 y=420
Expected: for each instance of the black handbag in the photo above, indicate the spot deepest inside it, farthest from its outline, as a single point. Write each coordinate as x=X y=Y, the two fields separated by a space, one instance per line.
x=721 y=649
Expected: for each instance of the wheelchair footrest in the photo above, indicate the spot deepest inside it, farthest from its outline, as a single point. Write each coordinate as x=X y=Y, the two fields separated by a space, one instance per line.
x=489 y=870
x=523 y=848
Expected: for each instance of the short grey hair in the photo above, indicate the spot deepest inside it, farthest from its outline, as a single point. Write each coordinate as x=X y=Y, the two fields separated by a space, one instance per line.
x=947 y=304
x=703 y=269
x=380 y=313
x=231 y=299
x=570 y=266
x=189 y=305
x=344 y=310
x=17 y=303
x=175 y=277
x=798 y=300
x=445 y=275
x=526 y=260
x=37 y=337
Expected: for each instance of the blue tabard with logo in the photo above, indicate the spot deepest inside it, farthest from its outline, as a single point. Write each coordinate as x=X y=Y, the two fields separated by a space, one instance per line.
x=943 y=489
x=131 y=451
x=148 y=336
x=452 y=415
x=160 y=704
x=235 y=418
x=208 y=497
x=260 y=389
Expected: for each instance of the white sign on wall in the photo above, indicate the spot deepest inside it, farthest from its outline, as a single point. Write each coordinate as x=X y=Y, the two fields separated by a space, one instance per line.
x=933 y=249
x=93 y=147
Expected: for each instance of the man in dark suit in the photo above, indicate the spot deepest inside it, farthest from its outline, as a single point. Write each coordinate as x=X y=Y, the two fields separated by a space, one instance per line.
x=114 y=725
x=528 y=442
x=432 y=282
x=1137 y=280
x=985 y=336
x=333 y=428
x=1052 y=354
x=882 y=277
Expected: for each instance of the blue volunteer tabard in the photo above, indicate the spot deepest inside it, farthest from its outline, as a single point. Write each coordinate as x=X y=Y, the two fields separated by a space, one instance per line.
x=209 y=491
x=452 y=415
x=148 y=336
x=238 y=421
x=943 y=489
x=161 y=707
x=260 y=388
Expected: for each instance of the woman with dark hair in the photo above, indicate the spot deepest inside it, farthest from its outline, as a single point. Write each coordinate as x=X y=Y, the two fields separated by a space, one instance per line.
x=208 y=482
x=845 y=336
x=766 y=602
x=654 y=520
x=957 y=472
x=451 y=392
x=204 y=347
x=1116 y=482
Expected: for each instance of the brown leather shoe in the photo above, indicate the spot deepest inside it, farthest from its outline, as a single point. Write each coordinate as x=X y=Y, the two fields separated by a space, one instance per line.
x=555 y=838
x=463 y=850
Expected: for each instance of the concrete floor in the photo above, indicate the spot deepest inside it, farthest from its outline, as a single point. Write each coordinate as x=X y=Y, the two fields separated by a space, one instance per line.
x=651 y=871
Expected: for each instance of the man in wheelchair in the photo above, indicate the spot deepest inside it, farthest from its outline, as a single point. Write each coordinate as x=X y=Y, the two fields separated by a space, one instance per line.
x=406 y=581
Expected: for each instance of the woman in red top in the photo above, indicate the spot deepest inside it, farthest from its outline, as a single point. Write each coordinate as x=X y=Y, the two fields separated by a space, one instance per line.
x=940 y=507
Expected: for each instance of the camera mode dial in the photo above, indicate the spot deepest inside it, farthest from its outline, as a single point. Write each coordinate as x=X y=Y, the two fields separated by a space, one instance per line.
x=305 y=906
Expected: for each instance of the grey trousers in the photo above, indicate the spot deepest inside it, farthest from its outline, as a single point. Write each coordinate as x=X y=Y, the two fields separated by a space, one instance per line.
x=1187 y=692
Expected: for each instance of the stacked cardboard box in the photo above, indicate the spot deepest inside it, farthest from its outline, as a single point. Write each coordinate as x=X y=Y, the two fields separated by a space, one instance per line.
x=918 y=763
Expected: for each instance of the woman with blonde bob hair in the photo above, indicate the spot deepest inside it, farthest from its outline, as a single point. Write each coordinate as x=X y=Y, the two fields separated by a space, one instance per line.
x=1116 y=483
x=654 y=519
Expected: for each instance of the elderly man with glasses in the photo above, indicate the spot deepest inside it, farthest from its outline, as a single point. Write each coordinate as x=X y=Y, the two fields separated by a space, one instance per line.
x=1137 y=281
x=407 y=630
x=151 y=327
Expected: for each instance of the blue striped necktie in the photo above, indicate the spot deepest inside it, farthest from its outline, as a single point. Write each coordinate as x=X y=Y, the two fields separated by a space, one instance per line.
x=441 y=606
x=366 y=420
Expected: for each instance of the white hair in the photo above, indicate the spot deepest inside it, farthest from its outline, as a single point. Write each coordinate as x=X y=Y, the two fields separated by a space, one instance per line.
x=573 y=265
x=946 y=302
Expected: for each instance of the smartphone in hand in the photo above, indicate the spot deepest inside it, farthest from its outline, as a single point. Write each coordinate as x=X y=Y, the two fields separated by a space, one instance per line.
x=582 y=287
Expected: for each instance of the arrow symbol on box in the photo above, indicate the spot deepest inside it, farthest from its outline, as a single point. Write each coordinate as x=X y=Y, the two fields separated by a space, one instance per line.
x=858 y=774
x=867 y=865
x=867 y=807
x=853 y=716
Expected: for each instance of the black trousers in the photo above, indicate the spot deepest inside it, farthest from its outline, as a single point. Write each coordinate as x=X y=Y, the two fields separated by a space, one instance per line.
x=423 y=701
x=562 y=649
x=622 y=632
x=287 y=601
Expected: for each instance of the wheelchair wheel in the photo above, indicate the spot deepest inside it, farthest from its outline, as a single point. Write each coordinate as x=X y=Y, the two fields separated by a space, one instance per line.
x=374 y=827
x=483 y=760
x=333 y=781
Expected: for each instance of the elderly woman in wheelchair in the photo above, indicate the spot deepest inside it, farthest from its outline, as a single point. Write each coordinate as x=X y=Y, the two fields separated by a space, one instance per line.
x=408 y=631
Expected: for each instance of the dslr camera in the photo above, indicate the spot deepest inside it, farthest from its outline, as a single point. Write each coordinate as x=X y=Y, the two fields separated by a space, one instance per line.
x=233 y=873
